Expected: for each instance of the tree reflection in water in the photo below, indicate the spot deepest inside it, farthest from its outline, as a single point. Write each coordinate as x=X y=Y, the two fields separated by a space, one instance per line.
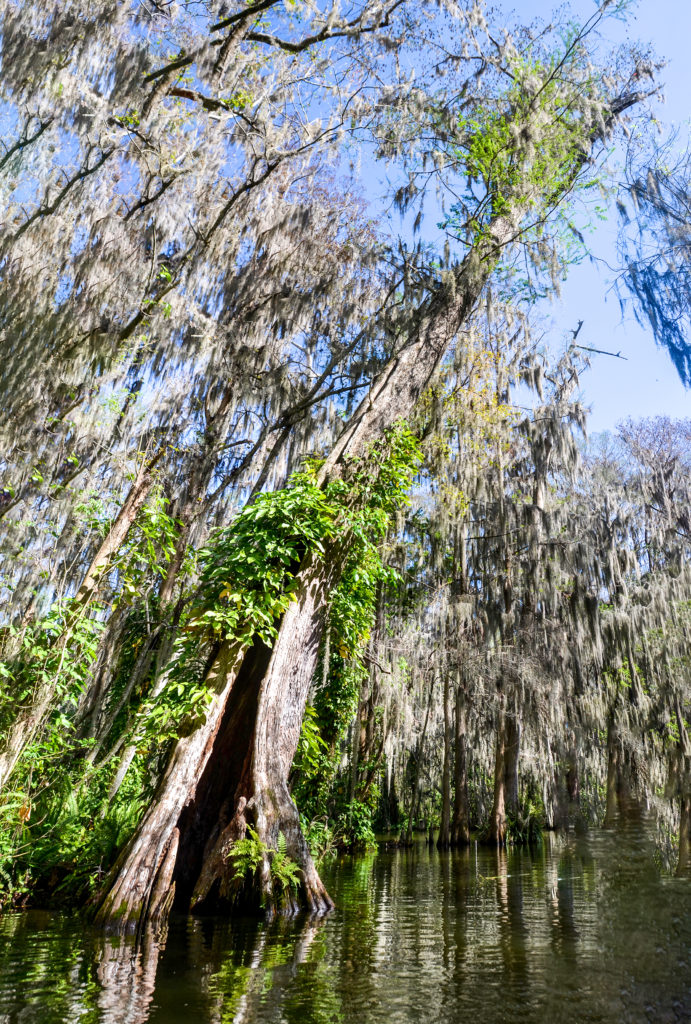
x=583 y=929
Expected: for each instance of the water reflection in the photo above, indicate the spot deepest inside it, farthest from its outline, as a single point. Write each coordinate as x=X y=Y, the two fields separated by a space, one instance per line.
x=583 y=929
x=52 y=969
x=126 y=975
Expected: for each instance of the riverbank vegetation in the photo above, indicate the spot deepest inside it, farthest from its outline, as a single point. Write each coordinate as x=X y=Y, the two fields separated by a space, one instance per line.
x=302 y=535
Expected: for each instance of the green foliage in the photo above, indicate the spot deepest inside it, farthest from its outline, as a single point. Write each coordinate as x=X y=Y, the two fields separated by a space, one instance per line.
x=311 y=747
x=320 y=790
x=149 y=548
x=248 y=570
x=59 y=832
x=248 y=854
x=55 y=654
x=526 y=827
x=321 y=837
x=285 y=873
x=357 y=824
x=60 y=840
x=522 y=151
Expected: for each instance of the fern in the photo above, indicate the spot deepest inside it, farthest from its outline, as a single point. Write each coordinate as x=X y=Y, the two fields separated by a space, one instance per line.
x=285 y=873
x=247 y=854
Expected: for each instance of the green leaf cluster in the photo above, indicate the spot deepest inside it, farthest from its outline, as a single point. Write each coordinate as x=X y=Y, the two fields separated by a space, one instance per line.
x=248 y=571
x=522 y=150
x=248 y=854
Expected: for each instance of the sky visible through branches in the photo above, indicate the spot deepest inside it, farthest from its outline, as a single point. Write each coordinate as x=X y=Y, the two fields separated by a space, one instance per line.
x=647 y=383
x=644 y=383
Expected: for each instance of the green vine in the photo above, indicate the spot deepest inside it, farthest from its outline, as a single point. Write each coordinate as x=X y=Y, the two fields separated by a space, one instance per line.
x=249 y=570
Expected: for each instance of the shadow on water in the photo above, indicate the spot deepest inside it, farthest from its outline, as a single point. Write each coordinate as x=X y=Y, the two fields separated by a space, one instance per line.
x=582 y=929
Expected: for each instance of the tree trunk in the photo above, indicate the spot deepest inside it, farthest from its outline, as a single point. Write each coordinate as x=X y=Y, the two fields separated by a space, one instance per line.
x=142 y=889
x=460 y=825
x=30 y=721
x=263 y=792
x=117 y=534
x=684 y=862
x=371 y=733
x=497 y=824
x=512 y=749
x=229 y=773
x=616 y=788
x=684 y=785
x=444 y=838
x=415 y=798
x=573 y=786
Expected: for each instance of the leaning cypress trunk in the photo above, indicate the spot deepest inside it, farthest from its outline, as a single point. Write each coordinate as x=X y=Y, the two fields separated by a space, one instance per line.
x=444 y=838
x=175 y=837
x=143 y=888
x=229 y=773
x=460 y=825
x=262 y=795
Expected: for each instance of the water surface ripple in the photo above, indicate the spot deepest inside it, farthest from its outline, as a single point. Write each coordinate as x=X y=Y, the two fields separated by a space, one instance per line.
x=583 y=929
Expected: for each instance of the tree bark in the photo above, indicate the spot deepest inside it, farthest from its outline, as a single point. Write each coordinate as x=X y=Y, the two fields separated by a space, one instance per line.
x=263 y=789
x=497 y=824
x=512 y=749
x=617 y=790
x=505 y=774
x=142 y=881
x=684 y=862
x=460 y=825
x=117 y=534
x=444 y=838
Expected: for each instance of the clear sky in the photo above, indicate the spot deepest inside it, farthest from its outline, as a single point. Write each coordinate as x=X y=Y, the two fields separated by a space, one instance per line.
x=646 y=384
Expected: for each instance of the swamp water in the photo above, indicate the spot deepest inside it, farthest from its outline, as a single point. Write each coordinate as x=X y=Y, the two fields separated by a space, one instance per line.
x=582 y=929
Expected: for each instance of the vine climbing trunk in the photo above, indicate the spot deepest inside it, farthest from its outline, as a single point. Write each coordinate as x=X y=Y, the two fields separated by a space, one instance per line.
x=154 y=870
x=262 y=796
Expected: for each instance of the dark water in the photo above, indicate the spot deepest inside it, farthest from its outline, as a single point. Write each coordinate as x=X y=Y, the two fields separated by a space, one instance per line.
x=582 y=930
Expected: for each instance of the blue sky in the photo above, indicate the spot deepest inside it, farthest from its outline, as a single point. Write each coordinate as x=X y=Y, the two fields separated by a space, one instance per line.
x=646 y=384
